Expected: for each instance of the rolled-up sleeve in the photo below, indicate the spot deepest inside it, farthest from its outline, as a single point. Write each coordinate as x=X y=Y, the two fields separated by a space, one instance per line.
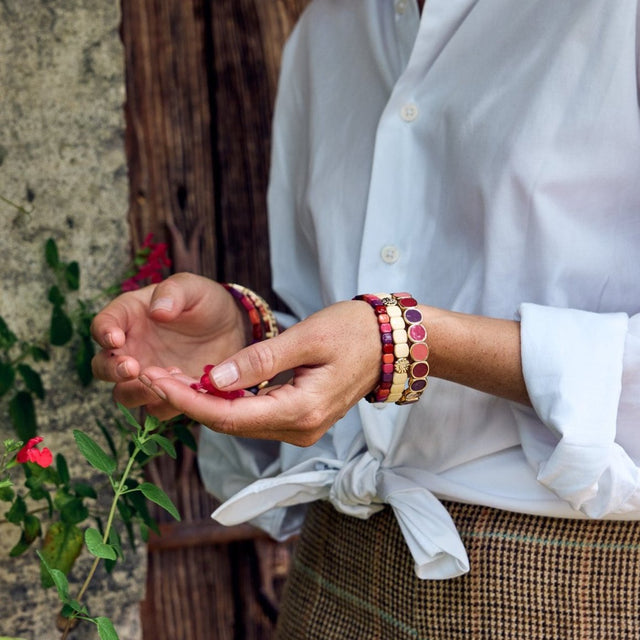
x=582 y=372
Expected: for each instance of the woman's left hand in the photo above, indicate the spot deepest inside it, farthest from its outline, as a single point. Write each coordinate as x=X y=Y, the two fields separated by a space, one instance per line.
x=334 y=359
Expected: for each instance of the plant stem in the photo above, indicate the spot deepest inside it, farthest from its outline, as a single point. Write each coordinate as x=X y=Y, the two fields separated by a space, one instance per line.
x=121 y=490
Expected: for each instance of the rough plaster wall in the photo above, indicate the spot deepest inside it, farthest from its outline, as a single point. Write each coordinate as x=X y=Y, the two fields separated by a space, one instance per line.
x=62 y=159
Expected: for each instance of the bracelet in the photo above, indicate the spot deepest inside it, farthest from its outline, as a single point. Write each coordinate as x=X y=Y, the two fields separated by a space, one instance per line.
x=418 y=349
x=404 y=367
x=263 y=322
x=383 y=388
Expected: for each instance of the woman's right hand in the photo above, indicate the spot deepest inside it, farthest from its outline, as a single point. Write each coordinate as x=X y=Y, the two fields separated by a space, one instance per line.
x=181 y=324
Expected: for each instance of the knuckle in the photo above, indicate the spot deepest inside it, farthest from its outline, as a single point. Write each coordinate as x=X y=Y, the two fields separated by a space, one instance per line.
x=313 y=420
x=307 y=439
x=261 y=357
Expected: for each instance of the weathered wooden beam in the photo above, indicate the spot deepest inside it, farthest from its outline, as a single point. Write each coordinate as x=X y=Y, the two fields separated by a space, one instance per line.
x=181 y=535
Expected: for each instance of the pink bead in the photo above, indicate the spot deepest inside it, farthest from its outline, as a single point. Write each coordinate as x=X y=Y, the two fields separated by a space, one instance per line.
x=417 y=333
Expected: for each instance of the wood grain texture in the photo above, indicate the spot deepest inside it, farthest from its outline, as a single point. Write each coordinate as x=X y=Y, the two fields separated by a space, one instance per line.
x=201 y=79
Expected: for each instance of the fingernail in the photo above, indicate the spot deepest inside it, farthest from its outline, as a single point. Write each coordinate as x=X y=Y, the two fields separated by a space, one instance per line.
x=123 y=370
x=147 y=382
x=108 y=340
x=162 y=304
x=159 y=392
x=224 y=375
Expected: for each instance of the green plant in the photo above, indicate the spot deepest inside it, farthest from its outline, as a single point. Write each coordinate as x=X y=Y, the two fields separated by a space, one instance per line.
x=42 y=500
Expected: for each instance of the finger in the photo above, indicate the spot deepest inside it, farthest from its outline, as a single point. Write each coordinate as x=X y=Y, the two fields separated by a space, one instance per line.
x=113 y=367
x=164 y=302
x=177 y=294
x=135 y=394
x=265 y=360
x=276 y=415
x=110 y=326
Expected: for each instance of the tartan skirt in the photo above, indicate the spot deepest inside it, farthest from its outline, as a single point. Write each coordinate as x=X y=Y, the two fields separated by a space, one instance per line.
x=531 y=578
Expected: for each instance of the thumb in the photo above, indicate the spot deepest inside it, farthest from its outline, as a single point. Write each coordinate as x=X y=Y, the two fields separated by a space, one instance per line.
x=259 y=362
x=178 y=293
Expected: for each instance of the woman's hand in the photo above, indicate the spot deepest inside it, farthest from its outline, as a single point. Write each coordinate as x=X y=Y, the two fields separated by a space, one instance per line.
x=182 y=324
x=334 y=360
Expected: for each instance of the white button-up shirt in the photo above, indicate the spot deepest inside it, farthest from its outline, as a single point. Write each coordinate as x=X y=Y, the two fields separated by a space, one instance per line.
x=486 y=158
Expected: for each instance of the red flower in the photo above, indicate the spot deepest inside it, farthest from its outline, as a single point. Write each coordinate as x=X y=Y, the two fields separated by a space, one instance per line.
x=206 y=386
x=129 y=285
x=31 y=453
x=150 y=263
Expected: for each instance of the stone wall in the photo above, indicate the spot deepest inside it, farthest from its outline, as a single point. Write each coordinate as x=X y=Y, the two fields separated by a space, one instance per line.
x=62 y=161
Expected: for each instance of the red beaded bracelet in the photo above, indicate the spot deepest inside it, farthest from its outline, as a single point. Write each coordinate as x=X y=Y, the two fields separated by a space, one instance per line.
x=383 y=388
x=263 y=321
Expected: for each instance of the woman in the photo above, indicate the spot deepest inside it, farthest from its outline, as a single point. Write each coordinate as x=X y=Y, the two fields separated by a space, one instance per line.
x=482 y=156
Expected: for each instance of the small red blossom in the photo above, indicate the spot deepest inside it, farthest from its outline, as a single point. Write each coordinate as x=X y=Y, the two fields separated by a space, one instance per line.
x=150 y=263
x=31 y=453
x=206 y=386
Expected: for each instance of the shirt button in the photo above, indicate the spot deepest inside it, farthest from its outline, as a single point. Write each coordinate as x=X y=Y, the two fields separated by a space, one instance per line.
x=390 y=254
x=409 y=112
x=401 y=6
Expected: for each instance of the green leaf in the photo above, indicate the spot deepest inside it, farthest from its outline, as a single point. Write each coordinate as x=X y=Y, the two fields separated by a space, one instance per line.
x=125 y=511
x=148 y=447
x=32 y=380
x=38 y=354
x=151 y=423
x=54 y=576
x=62 y=469
x=144 y=532
x=94 y=454
x=83 y=358
x=61 y=328
x=17 y=512
x=23 y=415
x=137 y=503
x=7 y=337
x=129 y=417
x=72 y=275
x=55 y=296
x=115 y=542
x=108 y=438
x=61 y=546
x=51 y=253
x=85 y=490
x=157 y=495
x=97 y=547
x=6 y=492
x=106 y=630
x=20 y=547
x=74 y=606
x=165 y=443
x=186 y=437
x=7 y=377
x=32 y=527
x=74 y=511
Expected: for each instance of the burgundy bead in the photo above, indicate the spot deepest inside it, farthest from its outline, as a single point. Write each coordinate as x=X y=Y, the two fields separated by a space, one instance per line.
x=420 y=370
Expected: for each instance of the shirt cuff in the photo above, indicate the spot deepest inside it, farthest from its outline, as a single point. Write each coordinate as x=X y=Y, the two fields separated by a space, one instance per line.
x=572 y=363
